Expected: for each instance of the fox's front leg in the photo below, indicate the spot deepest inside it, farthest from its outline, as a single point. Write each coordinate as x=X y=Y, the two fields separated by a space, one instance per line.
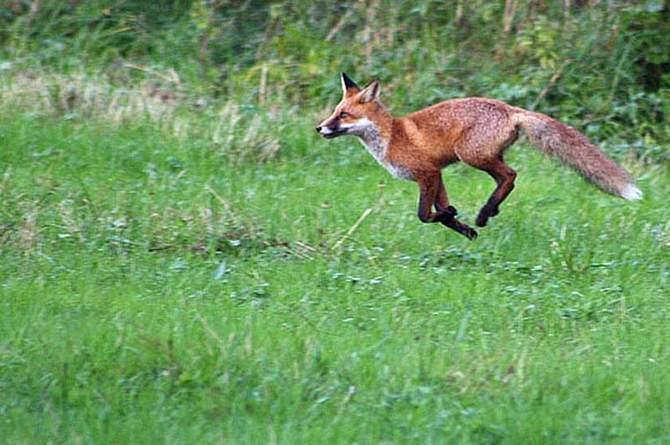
x=441 y=199
x=429 y=187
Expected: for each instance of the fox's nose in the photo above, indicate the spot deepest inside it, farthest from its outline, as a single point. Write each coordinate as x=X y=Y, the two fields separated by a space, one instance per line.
x=318 y=129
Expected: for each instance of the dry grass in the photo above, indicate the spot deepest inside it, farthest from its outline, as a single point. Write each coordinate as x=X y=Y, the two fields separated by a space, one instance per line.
x=240 y=136
x=81 y=95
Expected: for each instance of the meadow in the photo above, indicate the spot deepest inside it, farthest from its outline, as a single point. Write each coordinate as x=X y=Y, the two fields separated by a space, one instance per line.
x=152 y=293
x=182 y=270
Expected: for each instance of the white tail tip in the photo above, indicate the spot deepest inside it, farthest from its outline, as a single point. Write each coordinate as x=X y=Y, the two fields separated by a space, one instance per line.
x=631 y=193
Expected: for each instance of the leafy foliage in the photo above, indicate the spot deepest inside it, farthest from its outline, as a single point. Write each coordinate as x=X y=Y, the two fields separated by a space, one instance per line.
x=303 y=39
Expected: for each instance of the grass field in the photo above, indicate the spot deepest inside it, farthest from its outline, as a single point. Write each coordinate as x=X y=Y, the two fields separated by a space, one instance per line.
x=153 y=291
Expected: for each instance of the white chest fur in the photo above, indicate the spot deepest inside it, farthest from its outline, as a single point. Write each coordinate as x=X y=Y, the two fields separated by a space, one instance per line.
x=378 y=147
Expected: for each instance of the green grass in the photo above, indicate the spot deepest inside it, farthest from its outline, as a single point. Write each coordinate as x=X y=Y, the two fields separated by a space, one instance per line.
x=153 y=292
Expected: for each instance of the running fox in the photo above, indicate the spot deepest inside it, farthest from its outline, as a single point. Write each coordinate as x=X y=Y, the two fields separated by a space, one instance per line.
x=473 y=130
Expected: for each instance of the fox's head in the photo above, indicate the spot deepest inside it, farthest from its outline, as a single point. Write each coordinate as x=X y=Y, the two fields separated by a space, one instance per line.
x=355 y=112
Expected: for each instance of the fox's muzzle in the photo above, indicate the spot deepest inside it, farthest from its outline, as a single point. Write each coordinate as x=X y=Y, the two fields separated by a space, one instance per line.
x=329 y=133
x=330 y=128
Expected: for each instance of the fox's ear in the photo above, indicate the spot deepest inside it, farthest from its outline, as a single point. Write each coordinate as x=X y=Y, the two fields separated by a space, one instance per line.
x=370 y=92
x=349 y=87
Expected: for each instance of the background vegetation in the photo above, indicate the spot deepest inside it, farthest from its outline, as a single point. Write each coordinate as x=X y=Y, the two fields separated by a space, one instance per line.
x=182 y=260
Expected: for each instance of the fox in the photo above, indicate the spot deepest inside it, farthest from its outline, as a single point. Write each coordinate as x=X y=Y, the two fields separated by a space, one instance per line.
x=474 y=130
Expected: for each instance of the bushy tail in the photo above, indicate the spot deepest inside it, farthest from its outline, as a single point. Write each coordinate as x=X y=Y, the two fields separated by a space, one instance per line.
x=575 y=150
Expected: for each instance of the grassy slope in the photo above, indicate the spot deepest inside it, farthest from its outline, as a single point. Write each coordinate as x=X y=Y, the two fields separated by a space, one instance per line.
x=140 y=307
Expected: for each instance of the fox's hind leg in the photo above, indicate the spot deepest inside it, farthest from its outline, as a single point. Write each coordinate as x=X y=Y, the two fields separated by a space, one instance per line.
x=504 y=177
x=484 y=149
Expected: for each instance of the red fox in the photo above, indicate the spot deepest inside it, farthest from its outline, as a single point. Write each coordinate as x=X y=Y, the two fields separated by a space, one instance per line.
x=473 y=130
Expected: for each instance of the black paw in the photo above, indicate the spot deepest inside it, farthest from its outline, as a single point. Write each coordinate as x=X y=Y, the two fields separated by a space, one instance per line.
x=449 y=211
x=488 y=211
x=468 y=232
x=454 y=224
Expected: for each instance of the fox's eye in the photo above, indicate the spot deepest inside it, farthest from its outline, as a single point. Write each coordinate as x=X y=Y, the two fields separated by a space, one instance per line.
x=344 y=114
